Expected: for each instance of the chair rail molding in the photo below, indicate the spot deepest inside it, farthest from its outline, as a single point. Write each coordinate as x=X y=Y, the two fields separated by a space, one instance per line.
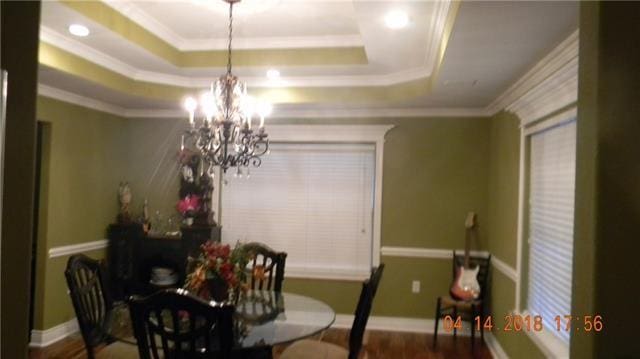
x=438 y=253
x=506 y=269
x=413 y=252
x=77 y=248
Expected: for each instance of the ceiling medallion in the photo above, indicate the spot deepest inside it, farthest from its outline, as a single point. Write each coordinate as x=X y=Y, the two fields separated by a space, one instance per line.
x=223 y=134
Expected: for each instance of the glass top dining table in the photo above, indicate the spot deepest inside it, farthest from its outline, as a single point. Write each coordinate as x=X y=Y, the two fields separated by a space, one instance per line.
x=262 y=318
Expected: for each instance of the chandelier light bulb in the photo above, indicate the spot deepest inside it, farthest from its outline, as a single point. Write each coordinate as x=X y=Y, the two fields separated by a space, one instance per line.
x=208 y=105
x=264 y=108
x=248 y=106
x=190 y=104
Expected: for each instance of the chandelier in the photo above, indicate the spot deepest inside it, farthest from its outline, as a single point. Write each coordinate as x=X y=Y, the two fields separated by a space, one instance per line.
x=224 y=134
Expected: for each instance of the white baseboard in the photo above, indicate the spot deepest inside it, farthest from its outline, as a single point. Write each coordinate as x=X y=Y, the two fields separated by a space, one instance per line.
x=43 y=338
x=494 y=346
x=414 y=325
x=399 y=324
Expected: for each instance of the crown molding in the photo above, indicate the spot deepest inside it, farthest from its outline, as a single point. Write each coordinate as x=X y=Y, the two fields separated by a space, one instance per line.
x=78 y=48
x=417 y=113
x=438 y=26
x=380 y=113
x=554 y=93
x=151 y=113
x=133 y=13
x=87 y=102
x=335 y=113
x=293 y=42
x=141 y=18
x=88 y=53
x=561 y=59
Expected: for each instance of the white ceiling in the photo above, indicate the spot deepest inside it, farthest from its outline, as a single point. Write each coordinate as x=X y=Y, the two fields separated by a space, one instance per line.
x=492 y=44
x=207 y=20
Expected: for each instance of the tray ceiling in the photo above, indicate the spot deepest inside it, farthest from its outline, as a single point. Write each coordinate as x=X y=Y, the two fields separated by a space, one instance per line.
x=329 y=53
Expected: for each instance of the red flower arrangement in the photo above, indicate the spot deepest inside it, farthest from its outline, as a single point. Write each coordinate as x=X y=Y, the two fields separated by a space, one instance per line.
x=218 y=271
x=189 y=205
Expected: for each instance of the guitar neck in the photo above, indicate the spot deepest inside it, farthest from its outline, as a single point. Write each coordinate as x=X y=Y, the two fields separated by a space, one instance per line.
x=470 y=224
x=467 y=247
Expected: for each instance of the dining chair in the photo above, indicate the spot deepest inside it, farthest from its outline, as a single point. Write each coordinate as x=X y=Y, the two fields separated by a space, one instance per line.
x=266 y=268
x=315 y=349
x=93 y=306
x=469 y=309
x=174 y=323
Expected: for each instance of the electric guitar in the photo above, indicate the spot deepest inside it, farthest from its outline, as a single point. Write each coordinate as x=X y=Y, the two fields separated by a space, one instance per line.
x=465 y=285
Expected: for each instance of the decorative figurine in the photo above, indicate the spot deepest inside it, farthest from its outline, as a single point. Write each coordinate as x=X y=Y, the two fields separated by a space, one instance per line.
x=124 y=197
x=146 y=221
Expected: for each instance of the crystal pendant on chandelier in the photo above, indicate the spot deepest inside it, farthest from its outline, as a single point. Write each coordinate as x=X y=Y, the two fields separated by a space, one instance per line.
x=225 y=135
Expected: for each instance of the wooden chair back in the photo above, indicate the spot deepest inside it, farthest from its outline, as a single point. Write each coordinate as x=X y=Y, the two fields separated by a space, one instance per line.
x=91 y=301
x=363 y=310
x=266 y=267
x=176 y=324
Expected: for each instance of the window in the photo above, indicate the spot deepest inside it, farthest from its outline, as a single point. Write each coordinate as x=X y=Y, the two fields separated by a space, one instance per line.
x=314 y=201
x=551 y=209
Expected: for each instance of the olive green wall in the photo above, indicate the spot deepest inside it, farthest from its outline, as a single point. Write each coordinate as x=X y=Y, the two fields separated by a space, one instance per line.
x=20 y=25
x=504 y=162
x=608 y=179
x=153 y=170
x=435 y=171
x=85 y=156
x=515 y=344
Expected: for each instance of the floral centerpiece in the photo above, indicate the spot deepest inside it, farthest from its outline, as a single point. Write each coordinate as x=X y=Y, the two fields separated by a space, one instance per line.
x=189 y=206
x=218 y=272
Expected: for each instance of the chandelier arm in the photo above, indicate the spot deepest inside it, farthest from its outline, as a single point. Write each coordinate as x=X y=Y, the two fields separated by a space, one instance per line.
x=255 y=161
x=262 y=147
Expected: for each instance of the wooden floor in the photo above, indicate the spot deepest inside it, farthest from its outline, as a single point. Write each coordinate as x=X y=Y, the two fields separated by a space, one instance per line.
x=393 y=345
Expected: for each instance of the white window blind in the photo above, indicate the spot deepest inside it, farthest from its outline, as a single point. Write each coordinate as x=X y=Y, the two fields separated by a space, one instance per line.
x=551 y=210
x=313 y=201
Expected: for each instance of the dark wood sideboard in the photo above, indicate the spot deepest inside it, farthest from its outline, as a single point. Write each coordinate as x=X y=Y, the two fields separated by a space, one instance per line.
x=131 y=254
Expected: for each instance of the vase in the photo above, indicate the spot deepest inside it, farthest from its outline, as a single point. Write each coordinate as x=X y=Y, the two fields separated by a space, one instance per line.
x=218 y=289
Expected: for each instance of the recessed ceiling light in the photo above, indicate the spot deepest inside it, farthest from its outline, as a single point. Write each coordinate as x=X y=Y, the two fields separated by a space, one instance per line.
x=396 y=19
x=273 y=74
x=78 y=30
